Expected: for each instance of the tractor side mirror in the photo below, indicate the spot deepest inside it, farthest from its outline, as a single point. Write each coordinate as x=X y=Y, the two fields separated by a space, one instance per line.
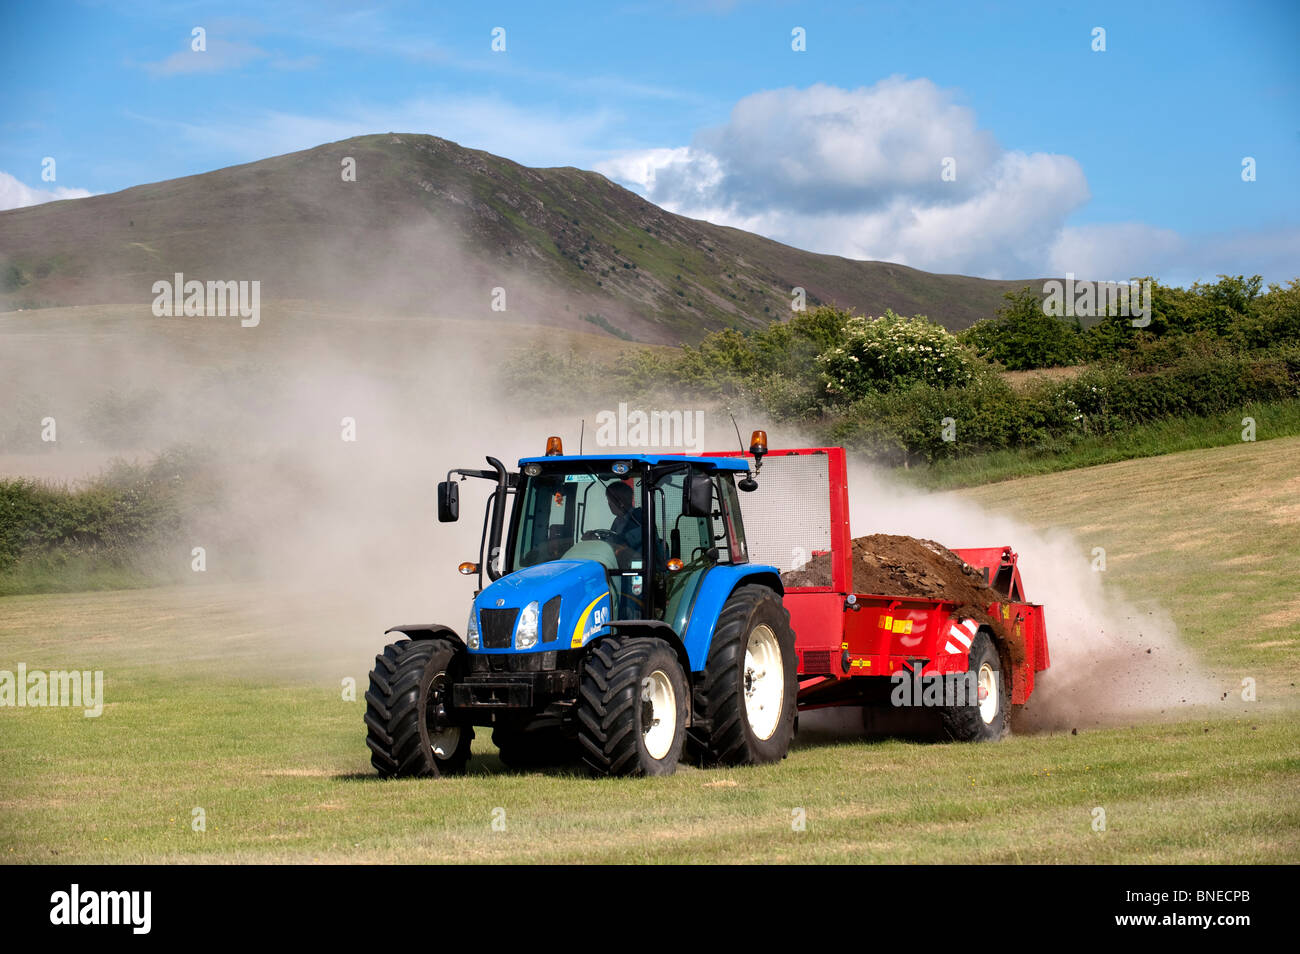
x=698 y=496
x=448 y=501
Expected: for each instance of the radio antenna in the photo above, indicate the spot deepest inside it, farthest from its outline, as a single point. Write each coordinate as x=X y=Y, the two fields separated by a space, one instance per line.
x=581 y=434
x=739 y=440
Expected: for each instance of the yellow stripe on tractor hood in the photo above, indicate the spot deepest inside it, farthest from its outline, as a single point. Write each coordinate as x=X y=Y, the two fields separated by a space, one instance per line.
x=580 y=631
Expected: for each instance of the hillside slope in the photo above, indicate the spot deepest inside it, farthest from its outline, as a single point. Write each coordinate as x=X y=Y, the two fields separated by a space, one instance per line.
x=429 y=227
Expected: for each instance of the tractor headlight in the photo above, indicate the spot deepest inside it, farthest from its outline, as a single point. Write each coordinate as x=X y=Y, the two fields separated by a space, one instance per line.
x=526 y=632
x=471 y=629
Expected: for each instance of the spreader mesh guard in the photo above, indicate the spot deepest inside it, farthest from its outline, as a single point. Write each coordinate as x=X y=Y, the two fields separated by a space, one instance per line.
x=788 y=517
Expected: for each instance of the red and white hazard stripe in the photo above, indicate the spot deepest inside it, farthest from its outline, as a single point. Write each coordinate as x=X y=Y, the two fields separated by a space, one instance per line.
x=961 y=635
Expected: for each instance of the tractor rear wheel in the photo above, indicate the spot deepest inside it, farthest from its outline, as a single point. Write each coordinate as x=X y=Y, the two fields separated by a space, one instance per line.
x=986 y=717
x=632 y=707
x=746 y=700
x=409 y=729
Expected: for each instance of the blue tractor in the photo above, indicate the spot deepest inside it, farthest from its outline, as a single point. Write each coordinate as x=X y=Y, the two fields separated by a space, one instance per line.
x=621 y=623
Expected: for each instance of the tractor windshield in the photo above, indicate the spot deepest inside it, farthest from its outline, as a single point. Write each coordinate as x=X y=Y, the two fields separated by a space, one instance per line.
x=580 y=513
x=585 y=511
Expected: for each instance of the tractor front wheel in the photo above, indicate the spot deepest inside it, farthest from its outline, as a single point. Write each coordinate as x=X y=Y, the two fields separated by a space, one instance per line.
x=408 y=726
x=632 y=707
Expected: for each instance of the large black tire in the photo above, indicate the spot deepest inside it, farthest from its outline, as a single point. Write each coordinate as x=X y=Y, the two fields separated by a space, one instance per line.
x=623 y=679
x=532 y=748
x=721 y=732
x=408 y=728
x=966 y=723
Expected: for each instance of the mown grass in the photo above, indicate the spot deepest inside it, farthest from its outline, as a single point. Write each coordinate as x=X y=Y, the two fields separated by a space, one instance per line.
x=281 y=776
x=1168 y=436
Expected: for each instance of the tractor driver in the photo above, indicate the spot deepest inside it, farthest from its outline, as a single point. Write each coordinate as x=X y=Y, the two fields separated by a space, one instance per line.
x=629 y=521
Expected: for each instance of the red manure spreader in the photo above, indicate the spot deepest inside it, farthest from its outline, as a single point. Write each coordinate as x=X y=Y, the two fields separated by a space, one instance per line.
x=892 y=622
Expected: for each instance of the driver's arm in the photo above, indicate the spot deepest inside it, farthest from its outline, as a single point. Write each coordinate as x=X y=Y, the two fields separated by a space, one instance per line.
x=631 y=532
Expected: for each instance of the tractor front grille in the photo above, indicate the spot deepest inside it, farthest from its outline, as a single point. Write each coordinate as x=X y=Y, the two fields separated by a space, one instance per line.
x=550 y=619
x=498 y=626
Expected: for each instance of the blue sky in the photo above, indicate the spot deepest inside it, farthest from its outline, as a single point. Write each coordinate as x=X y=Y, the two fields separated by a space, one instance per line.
x=1110 y=164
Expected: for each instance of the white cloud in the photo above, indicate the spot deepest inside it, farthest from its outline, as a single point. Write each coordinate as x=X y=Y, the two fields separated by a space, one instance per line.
x=1122 y=250
x=639 y=168
x=825 y=148
x=229 y=45
x=1114 y=251
x=220 y=55
x=859 y=173
x=15 y=195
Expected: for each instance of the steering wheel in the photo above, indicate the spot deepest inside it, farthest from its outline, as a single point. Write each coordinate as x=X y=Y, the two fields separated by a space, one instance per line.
x=605 y=535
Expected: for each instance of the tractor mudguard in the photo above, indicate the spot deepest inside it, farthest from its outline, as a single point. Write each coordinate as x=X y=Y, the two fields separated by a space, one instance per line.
x=425 y=631
x=718 y=584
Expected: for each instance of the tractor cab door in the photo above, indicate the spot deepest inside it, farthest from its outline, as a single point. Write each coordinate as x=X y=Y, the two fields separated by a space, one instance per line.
x=691 y=544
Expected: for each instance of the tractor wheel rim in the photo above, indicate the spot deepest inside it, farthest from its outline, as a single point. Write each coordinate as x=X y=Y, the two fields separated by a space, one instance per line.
x=445 y=742
x=988 y=694
x=443 y=739
x=764 y=682
x=658 y=714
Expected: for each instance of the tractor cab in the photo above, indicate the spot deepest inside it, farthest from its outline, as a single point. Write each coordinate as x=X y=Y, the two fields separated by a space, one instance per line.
x=653 y=524
x=598 y=539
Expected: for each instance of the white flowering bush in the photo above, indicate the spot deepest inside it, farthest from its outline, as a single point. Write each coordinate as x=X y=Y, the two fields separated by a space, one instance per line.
x=893 y=352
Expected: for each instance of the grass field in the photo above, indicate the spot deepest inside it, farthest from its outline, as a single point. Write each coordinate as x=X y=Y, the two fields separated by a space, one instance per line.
x=228 y=700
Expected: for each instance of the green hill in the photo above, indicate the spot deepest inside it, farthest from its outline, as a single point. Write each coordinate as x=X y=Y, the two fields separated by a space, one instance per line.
x=429 y=227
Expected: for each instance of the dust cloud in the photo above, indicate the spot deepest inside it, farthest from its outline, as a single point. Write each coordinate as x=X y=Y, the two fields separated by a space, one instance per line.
x=1112 y=660
x=322 y=432
x=338 y=539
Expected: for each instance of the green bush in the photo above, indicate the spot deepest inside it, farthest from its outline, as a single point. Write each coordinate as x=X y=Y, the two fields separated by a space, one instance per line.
x=907 y=426
x=11 y=278
x=116 y=519
x=1274 y=320
x=1022 y=336
x=892 y=353
x=1231 y=310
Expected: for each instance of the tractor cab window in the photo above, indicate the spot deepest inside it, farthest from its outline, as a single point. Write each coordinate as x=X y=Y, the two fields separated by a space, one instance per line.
x=628 y=526
x=579 y=514
x=728 y=524
x=676 y=534
x=698 y=542
x=585 y=512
